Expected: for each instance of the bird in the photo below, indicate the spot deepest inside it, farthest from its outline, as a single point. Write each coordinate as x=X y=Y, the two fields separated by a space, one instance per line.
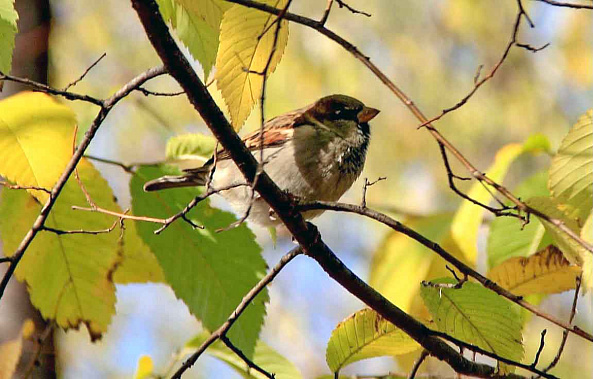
x=314 y=153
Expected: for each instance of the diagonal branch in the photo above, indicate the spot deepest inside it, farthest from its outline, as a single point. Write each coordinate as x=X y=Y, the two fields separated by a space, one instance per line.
x=281 y=203
x=106 y=106
x=463 y=268
x=475 y=173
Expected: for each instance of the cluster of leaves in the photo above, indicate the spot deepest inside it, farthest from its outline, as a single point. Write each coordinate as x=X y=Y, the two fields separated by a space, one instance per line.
x=526 y=259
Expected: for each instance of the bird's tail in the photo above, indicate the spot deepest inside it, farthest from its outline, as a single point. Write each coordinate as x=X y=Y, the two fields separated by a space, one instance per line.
x=191 y=178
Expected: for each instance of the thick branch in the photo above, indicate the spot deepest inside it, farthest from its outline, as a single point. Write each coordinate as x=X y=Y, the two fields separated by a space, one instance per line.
x=305 y=234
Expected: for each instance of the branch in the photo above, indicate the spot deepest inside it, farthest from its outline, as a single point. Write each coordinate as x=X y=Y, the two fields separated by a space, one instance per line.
x=244 y=358
x=463 y=268
x=319 y=27
x=281 y=203
x=224 y=328
x=423 y=355
x=76 y=81
x=566 y=5
x=52 y=91
x=106 y=106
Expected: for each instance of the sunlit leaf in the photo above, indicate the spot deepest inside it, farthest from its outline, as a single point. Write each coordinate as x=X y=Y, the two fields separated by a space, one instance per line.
x=197 y=24
x=209 y=271
x=571 y=173
x=243 y=55
x=10 y=351
x=545 y=272
x=264 y=356
x=191 y=146
x=365 y=334
x=476 y=315
x=144 y=368
x=69 y=276
x=36 y=135
x=469 y=216
x=510 y=237
x=8 y=30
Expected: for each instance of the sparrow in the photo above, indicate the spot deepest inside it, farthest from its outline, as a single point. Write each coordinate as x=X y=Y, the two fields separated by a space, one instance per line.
x=313 y=153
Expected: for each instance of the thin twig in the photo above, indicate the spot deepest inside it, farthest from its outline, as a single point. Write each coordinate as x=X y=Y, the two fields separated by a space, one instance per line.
x=566 y=5
x=248 y=362
x=81 y=231
x=129 y=168
x=417 y=364
x=328 y=9
x=573 y=312
x=342 y=4
x=247 y=299
x=5 y=259
x=147 y=92
x=76 y=81
x=542 y=343
x=463 y=268
x=52 y=91
x=14 y=186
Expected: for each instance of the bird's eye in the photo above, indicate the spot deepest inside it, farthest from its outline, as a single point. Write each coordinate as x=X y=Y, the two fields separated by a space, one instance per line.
x=338 y=112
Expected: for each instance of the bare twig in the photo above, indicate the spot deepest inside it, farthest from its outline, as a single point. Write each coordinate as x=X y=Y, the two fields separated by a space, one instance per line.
x=106 y=106
x=531 y=48
x=76 y=81
x=328 y=9
x=14 y=186
x=521 y=206
x=248 y=362
x=573 y=311
x=463 y=268
x=366 y=185
x=129 y=168
x=342 y=4
x=417 y=364
x=566 y=5
x=5 y=259
x=52 y=91
x=224 y=328
x=542 y=343
x=80 y=231
x=147 y=92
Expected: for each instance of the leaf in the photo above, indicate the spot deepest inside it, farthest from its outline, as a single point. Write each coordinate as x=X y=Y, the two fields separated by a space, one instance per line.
x=139 y=265
x=36 y=136
x=197 y=24
x=476 y=315
x=545 y=272
x=69 y=276
x=264 y=356
x=571 y=173
x=10 y=351
x=191 y=146
x=243 y=55
x=209 y=271
x=572 y=250
x=508 y=237
x=365 y=334
x=468 y=218
x=8 y=30
x=400 y=263
x=144 y=368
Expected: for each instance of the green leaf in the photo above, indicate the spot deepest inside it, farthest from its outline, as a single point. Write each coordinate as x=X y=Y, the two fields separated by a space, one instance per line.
x=197 y=24
x=36 y=135
x=572 y=250
x=243 y=55
x=508 y=237
x=545 y=272
x=365 y=334
x=8 y=30
x=191 y=146
x=537 y=143
x=69 y=276
x=209 y=271
x=476 y=315
x=468 y=218
x=571 y=176
x=264 y=356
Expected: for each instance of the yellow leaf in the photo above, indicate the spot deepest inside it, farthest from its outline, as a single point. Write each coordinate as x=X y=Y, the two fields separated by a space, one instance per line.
x=10 y=351
x=243 y=55
x=36 y=136
x=468 y=218
x=545 y=272
x=144 y=368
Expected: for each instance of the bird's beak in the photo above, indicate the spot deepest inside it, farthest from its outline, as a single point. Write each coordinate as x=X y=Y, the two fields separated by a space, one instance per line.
x=367 y=114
